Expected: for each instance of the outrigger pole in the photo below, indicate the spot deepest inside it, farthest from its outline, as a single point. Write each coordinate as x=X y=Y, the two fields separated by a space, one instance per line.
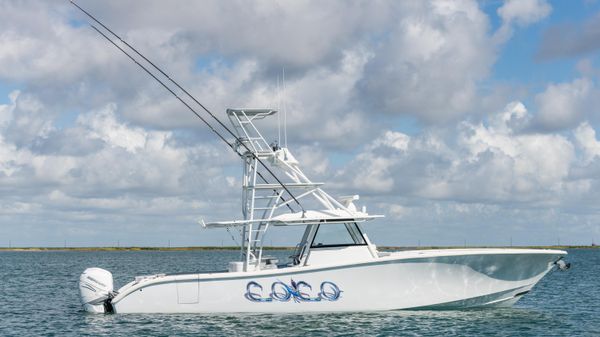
x=238 y=140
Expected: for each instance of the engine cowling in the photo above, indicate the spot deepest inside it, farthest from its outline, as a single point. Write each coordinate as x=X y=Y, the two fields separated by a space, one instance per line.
x=96 y=289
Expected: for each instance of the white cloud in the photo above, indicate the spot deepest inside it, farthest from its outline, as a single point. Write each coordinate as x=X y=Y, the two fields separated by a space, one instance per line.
x=297 y=34
x=524 y=12
x=521 y=13
x=424 y=52
x=526 y=167
x=474 y=162
x=585 y=136
x=513 y=118
x=314 y=160
x=563 y=105
x=430 y=62
x=26 y=122
x=131 y=173
x=7 y=110
x=395 y=140
x=39 y=45
x=90 y=141
x=103 y=125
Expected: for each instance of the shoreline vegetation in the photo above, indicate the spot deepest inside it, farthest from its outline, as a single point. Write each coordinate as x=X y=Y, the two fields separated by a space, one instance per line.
x=216 y=248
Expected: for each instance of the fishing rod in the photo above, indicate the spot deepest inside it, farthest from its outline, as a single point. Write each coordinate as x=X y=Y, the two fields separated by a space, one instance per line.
x=203 y=120
x=238 y=140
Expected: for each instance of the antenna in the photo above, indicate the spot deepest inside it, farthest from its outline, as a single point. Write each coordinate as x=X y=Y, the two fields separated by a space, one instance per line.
x=284 y=111
x=279 y=114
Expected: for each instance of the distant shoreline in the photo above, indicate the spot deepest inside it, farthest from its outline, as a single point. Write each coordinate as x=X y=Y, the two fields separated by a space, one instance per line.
x=216 y=248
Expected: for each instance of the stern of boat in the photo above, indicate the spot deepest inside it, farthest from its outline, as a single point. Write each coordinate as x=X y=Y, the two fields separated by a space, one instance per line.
x=96 y=290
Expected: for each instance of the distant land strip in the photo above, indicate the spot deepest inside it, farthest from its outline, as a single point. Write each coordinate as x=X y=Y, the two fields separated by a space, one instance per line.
x=216 y=248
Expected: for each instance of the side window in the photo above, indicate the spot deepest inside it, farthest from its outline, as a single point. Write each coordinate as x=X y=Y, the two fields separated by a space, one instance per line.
x=329 y=235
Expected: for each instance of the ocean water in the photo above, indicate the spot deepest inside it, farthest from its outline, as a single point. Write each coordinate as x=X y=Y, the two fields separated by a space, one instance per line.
x=39 y=297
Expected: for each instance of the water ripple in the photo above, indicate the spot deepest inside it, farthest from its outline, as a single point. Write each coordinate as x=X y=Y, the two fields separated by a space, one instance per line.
x=39 y=297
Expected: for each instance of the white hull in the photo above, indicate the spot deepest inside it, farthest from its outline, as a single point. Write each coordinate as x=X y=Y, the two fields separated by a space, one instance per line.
x=429 y=279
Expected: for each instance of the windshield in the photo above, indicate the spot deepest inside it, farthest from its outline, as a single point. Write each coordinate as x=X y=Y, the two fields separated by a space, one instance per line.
x=335 y=235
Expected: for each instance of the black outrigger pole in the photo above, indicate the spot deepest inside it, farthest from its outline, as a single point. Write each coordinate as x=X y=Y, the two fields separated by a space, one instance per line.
x=238 y=140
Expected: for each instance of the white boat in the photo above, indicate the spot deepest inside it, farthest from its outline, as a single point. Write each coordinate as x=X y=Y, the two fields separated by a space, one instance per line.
x=335 y=267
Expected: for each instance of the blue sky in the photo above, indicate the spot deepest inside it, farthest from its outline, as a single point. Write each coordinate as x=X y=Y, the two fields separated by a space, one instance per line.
x=458 y=120
x=517 y=61
x=5 y=90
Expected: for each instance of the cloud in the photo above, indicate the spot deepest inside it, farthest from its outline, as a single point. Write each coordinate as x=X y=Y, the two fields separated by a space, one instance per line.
x=479 y=179
x=422 y=59
x=519 y=13
x=564 y=105
x=429 y=63
x=298 y=35
x=570 y=39
x=524 y=12
x=91 y=148
x=585 y=136
x=424 y=52
x=472 y=163
x=129 y=172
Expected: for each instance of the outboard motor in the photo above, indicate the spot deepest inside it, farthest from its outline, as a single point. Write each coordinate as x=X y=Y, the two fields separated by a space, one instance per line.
x=562 y=265
x=96 y=289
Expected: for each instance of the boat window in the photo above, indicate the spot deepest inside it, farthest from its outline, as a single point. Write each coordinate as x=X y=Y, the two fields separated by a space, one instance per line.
x=335 y=235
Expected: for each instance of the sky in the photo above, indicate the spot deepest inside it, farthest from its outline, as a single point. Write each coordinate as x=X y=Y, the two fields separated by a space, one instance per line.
x=463 y=122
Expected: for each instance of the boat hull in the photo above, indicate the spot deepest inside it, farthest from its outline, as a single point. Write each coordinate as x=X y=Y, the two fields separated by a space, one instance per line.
x=443 y=279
